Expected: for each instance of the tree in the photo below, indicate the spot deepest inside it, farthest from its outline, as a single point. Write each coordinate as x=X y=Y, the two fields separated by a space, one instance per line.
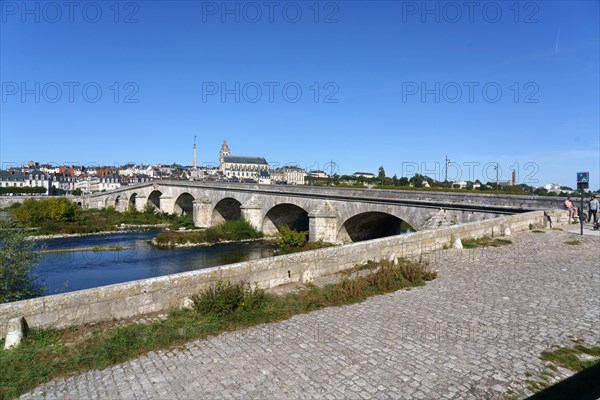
x=417 y=180
x=404 y=181
x=59 y=209
x=513 y=190
x=17 y=261
x=381 y=174
x=395 y=180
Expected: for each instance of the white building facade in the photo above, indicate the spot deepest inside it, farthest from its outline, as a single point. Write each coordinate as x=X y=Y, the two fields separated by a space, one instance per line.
x=241 y=167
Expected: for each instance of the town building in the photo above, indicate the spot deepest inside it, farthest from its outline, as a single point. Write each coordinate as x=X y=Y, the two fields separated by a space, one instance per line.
x=105 y=183
x=65 y=181
x=20 y=179
x=317 y=173
x=363 y=175
x=553 y=187
x=289 y=175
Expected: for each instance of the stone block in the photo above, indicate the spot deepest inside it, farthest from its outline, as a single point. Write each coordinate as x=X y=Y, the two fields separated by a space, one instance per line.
x=186 y=303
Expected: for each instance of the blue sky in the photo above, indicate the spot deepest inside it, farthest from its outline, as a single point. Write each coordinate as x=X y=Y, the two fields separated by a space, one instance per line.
x=382 y=83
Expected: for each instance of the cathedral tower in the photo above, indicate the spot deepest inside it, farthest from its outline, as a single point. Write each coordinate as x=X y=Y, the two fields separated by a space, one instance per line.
x=224 y=152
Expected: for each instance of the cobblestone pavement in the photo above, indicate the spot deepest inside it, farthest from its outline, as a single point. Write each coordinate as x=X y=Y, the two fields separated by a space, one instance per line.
x=473 y=332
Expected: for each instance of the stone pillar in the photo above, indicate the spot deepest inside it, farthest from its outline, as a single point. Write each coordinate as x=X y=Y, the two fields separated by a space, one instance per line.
x=122 y=205
x=167 y=204
x=140 y=203
x=322 y=223
x=252 y=212
x=202 y=212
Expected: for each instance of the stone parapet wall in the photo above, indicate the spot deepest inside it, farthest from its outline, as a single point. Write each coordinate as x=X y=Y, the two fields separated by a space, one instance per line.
x=145 y=296
x=7 y=201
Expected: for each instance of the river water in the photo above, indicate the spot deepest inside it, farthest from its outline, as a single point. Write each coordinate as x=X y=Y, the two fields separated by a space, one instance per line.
x=66 y=272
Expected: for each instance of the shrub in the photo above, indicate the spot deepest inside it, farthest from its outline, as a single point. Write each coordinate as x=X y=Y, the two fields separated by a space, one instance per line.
x=149 y=208
x=220 y=299
x=223 y=299
x=183 y=221
x=349 y=290
x=238 y=229
x=228 y=230
x=23 y=190
x=49 y=227
x=290 y=238
x=211 y=235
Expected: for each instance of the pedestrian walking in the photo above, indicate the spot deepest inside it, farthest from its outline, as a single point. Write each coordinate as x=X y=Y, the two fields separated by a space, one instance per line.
x=593 y=206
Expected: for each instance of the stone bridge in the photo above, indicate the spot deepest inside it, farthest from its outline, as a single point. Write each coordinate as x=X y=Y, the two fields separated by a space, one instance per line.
x=330 y=214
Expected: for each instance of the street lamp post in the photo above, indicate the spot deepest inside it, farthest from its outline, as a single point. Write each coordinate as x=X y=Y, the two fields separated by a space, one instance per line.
x=446 y=171
x=497 y=168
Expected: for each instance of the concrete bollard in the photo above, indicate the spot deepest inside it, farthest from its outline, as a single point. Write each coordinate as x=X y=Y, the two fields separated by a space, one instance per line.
x=307 y=276
x=457 y=244
x=506 y=231
x=16 y=331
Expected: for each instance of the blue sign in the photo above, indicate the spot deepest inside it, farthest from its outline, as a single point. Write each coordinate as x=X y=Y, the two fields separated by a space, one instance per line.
x=583 y=177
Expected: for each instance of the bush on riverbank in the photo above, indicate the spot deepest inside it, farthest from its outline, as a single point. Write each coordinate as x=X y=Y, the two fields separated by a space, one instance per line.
x=57 y=209
x=291 y=241
x=233 y=230
x=47 y=354
x=60 y=216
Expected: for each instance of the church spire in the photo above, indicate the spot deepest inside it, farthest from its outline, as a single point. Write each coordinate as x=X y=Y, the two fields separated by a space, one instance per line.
x=224 y=147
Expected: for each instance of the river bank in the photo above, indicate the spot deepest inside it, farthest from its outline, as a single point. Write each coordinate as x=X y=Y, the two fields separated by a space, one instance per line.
x=209 y=244
x=120 y=229
x=79 y=249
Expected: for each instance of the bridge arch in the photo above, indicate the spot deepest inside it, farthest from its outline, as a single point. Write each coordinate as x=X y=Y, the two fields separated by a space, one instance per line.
x=226 y=209
x=295 y=217
x=118 y=202
x=132 y=200
x=184 y=205
x=371 y=225
x=154 y=198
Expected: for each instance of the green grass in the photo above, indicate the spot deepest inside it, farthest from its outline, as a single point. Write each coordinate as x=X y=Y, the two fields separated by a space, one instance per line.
x=484 y=241
x=233 y=230
x=565 y=357
x=573 y=242
x=47 y=354
x=570 y=357
x=537 y=231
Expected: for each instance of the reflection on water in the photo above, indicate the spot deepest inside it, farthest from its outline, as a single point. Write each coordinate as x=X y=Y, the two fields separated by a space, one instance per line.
x=140 y=260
